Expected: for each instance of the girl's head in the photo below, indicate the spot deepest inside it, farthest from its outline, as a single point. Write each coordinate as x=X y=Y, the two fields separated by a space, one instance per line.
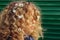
x=23 y=17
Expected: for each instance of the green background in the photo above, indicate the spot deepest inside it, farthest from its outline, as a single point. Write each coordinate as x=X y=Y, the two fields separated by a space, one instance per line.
x=50 y=10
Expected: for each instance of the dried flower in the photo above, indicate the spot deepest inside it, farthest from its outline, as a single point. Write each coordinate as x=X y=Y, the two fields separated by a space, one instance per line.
x=19 y=29
x=21 y=5
x=14 y=11
x=20 y=16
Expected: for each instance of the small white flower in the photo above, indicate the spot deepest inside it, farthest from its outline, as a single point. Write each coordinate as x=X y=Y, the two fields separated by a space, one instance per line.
x=16 y=4
x=21 y=4
x=14 y=10
x=20 y=16
x=19 y=29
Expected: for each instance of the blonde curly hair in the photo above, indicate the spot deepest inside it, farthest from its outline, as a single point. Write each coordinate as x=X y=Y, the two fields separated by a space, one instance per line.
x=19 y=19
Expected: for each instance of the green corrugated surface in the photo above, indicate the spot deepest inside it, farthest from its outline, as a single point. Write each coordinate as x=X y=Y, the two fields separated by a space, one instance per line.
x=50 y=17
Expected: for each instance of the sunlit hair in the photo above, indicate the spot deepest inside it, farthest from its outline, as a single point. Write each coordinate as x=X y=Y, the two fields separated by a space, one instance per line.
x=19 y=19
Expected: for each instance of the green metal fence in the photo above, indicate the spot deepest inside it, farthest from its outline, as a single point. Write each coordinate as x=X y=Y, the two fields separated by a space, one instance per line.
x=50 y=16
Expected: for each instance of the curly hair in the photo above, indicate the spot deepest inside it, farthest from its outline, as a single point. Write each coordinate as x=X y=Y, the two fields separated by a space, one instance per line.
x=19 y=19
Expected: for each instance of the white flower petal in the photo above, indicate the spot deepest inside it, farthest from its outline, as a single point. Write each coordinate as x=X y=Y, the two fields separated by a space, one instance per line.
x=19 y=29
x=16 y=4
x=20 y=16
x=14 y=11
x=21 y=4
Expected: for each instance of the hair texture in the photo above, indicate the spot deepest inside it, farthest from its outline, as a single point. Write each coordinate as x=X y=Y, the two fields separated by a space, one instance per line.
x=19 y=19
